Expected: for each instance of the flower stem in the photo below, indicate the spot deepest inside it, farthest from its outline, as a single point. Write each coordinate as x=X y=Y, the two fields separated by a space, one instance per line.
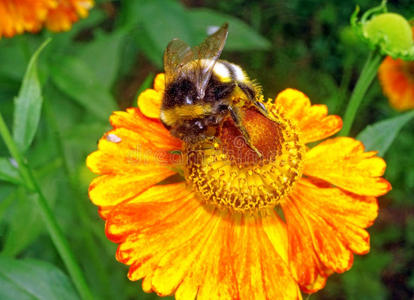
x=367 y=76
x=52 y=226
x=90 y=244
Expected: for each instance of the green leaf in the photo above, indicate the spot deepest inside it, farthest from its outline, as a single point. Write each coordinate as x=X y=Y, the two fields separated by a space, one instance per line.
x=241 y=37
x=381 y=135
x=7 y=197
x=20 y=233
x=8 y=172
x=31 y=279
x=73 y=77
x=147 y=45
x=102 y=55
x=146 y=84
x=153 y=37
x=13 y=60
x=28 y=105
x=363 y=281
x=174 y=21
x=190 y=26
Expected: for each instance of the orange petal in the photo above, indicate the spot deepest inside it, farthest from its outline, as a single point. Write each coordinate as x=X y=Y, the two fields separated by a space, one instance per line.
x=24 y=15
x=313 y=120
x=317 y=285
x=165 y=241
x=107 y=191
x=343 y=162
x=211 y=277
x=329 y=223
x=282 y=286
x=304 y=263
x=246 y=265
x=156 y=193
x=123 y=151
x=179 y=246
x=150 y=129
x=61 y=17
x=132 y=157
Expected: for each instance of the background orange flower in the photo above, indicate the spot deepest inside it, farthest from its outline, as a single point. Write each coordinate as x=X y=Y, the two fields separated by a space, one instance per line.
x=397 y=81
x=66 y=13
x=17 y=16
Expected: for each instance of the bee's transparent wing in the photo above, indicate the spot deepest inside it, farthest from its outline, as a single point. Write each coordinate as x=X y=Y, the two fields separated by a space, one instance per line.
x=206 y=55
x=177 y=55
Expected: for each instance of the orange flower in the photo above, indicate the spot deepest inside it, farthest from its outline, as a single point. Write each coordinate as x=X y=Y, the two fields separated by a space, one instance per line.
x=397 y=81
x=199 y=220
x=67 y=12
x=17 y=16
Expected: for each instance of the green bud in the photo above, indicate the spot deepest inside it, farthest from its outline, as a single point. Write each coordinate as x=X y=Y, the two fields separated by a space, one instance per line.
x=390 y=28
x=388 y=33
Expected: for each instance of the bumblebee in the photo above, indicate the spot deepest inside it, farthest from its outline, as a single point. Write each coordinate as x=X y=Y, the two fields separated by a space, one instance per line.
x=202 y=91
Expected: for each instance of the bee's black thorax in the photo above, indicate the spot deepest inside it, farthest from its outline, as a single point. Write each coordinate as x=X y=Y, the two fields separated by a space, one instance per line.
x=183 y=92
x=218 y=91
x=180 y=92
x=192 y=117
x=205 y=113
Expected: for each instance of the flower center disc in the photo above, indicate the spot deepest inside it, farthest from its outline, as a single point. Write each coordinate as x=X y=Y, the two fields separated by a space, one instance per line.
x=265 y=135
x=227 y=173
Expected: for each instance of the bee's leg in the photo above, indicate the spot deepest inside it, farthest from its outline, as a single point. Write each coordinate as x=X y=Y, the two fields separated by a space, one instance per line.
x=235 y=115
x=250 y=93
x=262 y=109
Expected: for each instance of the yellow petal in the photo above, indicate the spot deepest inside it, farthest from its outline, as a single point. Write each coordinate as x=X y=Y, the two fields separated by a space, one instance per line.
x=343 y=162
x=149 y=103
x=313 y=120
x=159 y=82
x=325 y=227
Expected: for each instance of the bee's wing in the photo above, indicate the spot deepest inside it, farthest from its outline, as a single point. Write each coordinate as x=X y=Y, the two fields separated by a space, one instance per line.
x=207 y=55
x=178 y=54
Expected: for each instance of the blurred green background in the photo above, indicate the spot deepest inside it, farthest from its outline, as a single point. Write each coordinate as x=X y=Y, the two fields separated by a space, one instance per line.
x=107 y=59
